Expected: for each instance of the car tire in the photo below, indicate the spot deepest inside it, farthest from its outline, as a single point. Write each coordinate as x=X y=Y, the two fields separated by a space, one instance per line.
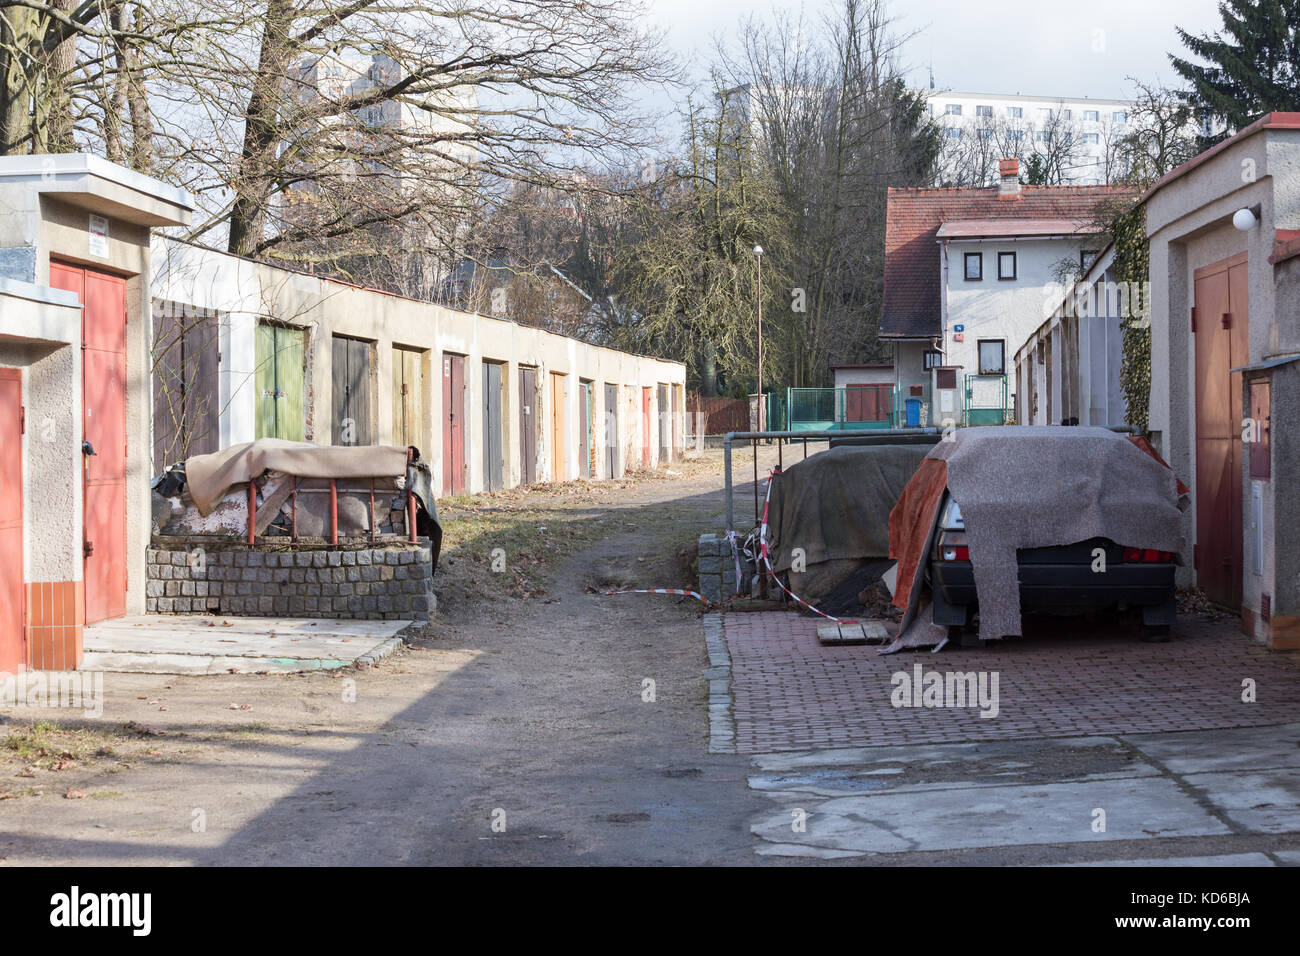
x=1155 y=633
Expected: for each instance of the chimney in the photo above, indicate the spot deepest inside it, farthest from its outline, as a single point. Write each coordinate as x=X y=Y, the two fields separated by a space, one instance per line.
x=1009 y=185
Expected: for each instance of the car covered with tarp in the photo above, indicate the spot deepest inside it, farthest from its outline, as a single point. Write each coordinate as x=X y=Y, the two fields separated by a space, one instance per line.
x=997 y=521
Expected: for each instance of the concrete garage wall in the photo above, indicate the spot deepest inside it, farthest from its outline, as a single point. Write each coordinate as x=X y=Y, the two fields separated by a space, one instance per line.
x=1189 y=224
x=241 y=292
x=40 y=332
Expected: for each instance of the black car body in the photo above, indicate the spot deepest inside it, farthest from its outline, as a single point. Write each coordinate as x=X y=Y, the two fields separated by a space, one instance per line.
x=1069 y=579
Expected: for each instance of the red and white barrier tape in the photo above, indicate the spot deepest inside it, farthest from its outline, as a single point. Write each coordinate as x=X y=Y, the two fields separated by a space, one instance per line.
x=762 y=540
x=694 y=594
x=763 y=550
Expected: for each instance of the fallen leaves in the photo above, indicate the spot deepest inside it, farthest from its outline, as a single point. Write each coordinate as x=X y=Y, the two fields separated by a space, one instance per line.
x=74 y=794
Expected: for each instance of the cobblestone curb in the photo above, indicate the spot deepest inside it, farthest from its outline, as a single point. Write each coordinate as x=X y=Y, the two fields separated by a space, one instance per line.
x=373 y=657
x=722 y=723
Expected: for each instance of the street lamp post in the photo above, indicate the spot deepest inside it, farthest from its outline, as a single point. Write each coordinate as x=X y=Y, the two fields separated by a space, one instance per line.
x=758 y=255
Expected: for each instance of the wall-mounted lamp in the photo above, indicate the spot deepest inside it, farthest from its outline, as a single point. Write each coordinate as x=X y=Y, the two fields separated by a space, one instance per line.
x=1244 y=220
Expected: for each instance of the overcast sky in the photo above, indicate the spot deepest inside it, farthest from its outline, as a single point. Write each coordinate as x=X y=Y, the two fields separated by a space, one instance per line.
x=1035 y=47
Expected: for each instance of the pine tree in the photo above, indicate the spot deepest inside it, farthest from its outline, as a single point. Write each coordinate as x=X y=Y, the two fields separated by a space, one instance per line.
x=1251 y=68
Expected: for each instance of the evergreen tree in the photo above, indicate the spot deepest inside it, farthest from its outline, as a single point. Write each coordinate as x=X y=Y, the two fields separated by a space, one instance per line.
x=1251 y=68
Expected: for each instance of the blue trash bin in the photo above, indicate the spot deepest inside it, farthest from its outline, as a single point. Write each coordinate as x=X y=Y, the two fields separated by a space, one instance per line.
x=913 y=412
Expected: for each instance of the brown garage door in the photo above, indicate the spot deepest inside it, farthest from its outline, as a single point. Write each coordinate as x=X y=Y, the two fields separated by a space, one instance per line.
x=1222 y=332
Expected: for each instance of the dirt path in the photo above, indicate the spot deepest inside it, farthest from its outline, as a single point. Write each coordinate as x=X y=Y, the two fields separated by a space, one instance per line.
x=527 y=710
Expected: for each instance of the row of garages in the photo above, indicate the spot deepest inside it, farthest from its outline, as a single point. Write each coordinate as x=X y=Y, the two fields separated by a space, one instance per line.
x=122 y=352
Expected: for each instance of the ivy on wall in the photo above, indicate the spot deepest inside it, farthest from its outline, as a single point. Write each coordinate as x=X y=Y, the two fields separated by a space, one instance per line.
x=1132 y=259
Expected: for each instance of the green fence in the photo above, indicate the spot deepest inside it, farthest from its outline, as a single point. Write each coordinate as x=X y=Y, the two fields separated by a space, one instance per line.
x=986 y=400
x=835 y=409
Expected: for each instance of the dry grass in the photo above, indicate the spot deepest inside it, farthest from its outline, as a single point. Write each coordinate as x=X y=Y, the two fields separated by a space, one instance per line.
x=34 y=752
x=535 y=528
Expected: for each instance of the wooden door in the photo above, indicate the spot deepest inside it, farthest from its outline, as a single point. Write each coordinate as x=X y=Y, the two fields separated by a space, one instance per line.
x=453 y=424
x=611 y=431
x=280 y=382
x=493 y=459
x=527 y=426
x=351 y=387
x=186 y=390
x=1221 y=331
x=645 y=427
x=103 y=429
x=559 y=451
x=408 y=396
x=13 y=650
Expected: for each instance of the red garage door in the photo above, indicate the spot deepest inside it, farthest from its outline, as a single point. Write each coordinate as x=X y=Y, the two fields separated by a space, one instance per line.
x=13 y=655
x=103 y=429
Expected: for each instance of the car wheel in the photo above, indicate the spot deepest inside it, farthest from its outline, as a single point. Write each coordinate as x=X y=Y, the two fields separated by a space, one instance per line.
x=1155 y=633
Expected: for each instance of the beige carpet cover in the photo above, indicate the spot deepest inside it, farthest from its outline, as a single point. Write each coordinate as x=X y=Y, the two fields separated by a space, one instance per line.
x=208 y=477
x=1038 y=486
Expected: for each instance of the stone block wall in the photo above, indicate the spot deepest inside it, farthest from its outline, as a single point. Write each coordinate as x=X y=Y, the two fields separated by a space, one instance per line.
x=717 y=568
x=392 y=581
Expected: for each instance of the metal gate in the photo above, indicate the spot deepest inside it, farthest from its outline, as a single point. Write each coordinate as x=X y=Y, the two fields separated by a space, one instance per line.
x=986 y=400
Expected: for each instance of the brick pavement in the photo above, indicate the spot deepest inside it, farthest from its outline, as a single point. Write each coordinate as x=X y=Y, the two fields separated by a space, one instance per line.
x=791 y=693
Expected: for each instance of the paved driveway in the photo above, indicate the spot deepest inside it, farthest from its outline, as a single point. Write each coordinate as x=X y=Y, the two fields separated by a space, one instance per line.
x=791 y=693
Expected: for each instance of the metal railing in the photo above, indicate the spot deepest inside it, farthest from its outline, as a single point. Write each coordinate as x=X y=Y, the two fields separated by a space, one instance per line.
x=871 y=436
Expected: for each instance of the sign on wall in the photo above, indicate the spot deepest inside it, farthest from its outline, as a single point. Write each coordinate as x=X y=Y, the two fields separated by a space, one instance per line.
x=99 y=237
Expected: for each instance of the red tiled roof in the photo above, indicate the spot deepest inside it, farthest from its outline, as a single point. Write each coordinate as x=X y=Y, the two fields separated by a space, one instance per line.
x=911 y=301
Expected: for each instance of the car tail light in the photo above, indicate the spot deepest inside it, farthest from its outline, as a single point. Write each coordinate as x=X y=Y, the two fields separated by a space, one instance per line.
x=1148 y=555
x=955 y=553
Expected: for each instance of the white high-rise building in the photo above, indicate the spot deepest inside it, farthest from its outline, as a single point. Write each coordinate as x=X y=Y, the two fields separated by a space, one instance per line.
x=1075 y=138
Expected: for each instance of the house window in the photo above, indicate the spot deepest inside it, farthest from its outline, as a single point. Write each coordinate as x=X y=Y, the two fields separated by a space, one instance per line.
x=952 y=109
x=1092 y=138
x=1119 y=116
x=985 y=135
x=1015 y=112
x=1046 y=114
x=1067 y=115
x=1014 y=135
x=974 y=266
x=1006 y=265
x=1086 y=258
x=952 y=133
x=1090 y=116
x=1043 y=136
x=983 y=111
x=992 y=356
x=930 y=358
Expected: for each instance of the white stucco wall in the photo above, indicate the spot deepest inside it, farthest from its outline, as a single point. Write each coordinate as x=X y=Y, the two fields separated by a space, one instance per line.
x=241 y=291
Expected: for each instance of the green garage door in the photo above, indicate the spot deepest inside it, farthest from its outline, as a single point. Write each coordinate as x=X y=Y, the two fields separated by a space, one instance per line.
x=281 y=370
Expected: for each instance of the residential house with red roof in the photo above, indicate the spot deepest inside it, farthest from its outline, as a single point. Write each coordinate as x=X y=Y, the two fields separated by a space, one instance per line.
x=970 y=274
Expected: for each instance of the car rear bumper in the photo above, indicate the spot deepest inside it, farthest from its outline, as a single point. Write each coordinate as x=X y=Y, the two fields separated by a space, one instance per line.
x=1047 y=587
